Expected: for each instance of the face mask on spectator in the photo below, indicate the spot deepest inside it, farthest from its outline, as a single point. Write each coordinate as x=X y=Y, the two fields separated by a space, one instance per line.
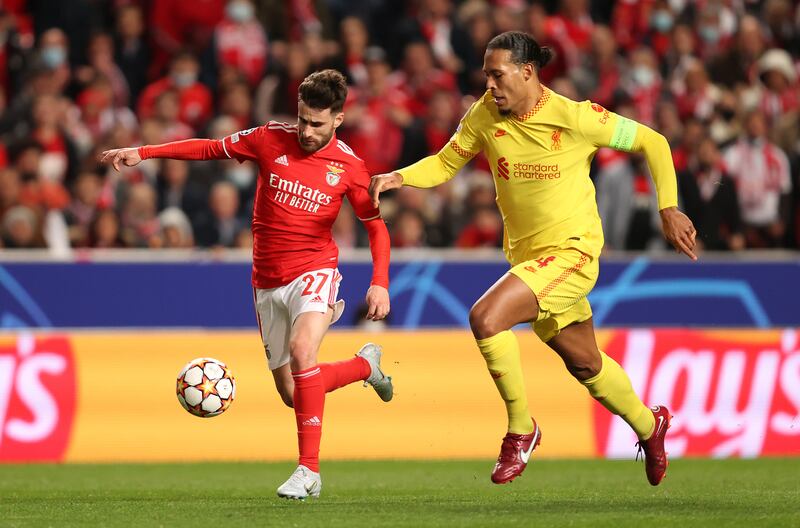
x=661 y=21
x=643 y=76
x=709 y=34
x=183 y=79
x=239 y=11
x=54 y=56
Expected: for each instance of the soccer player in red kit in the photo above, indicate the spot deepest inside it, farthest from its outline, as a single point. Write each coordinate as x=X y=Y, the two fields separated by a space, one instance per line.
x=304 y=174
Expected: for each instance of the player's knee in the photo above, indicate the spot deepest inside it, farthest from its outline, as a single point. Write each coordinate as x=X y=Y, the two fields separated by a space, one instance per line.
x=302 y=354
x=584 y=369
x=483 y=322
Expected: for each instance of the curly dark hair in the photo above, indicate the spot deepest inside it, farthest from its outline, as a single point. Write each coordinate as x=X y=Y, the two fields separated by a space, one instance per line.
x=324 y=89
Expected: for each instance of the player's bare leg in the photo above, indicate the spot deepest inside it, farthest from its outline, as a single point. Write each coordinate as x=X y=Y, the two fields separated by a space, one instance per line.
x=284 y=383
x=507 y=303
x=608 y=383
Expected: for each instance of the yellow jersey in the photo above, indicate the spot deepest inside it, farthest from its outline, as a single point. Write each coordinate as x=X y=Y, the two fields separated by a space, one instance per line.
x=540 y=163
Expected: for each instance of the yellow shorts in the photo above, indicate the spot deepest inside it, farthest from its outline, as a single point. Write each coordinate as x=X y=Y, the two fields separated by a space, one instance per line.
x=561 y=278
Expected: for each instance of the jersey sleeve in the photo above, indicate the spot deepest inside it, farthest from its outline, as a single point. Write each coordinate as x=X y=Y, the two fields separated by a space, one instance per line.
x=441 y=167
x=246 y=144
x=603 y=128
x=358 y=196
x=466 y=140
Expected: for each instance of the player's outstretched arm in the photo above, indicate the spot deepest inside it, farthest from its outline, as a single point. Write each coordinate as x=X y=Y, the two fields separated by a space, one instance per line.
x=188 y=149
x=679 y=231
x=127 y=156
x=383 y=182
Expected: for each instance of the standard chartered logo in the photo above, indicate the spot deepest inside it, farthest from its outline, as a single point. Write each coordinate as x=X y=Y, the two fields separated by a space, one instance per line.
x=527 y=171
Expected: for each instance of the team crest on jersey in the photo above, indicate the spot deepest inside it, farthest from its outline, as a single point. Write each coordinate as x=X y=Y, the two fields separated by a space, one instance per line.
x=333 y=176
x=556 y=138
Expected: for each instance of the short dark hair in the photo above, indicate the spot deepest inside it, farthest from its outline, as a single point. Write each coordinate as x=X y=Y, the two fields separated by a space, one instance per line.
x=324 y=89
x=523 y=47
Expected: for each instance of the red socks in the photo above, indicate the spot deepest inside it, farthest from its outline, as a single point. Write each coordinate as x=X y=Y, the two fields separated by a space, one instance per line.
x=341 y=373
x=310 y=386
x=309 y=402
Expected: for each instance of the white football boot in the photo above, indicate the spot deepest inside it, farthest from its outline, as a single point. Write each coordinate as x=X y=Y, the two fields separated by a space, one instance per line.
x=303 y=483
x=379 y=381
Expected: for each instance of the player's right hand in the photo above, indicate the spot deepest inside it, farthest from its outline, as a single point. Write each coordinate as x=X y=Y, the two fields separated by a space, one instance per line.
x=128 y=156
x=384 y=182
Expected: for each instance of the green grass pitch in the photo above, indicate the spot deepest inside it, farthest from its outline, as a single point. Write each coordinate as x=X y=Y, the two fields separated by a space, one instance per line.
x=592 y=493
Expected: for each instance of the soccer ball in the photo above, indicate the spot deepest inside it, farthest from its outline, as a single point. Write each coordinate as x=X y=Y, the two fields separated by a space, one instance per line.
x=206 y=387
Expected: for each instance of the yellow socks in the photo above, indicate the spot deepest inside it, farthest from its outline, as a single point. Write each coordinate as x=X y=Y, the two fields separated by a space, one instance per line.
x=501 y=352
x=612 y=388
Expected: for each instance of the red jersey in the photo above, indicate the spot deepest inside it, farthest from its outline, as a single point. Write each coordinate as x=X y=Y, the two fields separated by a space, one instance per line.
x=298 y=197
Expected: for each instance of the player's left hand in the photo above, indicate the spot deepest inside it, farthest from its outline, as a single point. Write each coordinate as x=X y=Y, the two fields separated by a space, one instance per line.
x=679 y=230
x=378 y=302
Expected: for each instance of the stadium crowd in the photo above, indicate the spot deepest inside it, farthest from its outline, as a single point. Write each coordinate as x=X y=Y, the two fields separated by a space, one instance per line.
x=719 y=78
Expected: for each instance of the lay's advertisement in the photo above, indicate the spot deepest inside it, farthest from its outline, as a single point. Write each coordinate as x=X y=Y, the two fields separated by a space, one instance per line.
x=110 y=396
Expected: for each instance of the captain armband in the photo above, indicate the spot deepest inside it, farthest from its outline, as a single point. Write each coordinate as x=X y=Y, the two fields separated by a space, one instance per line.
x=624 y=134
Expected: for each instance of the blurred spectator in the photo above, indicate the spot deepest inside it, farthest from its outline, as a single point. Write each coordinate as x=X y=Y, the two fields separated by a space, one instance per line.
x=598 y=78
x=694 y=95
x=53 y=57
x=13 y=47
x=484 y=230
x=780 y=95
x=20 y=229
x=240 y=41
x=182 y=24
x=427 y=136
x=289 y=20
x=276 y=97
x=10 y=189
x=81 y=211
x=132 y=51
x=195 y=101
x=355 y=39
x=177 y=191
x=237 y=103
x=420 y=78
x=221 y=225
x=101 y=64
x=571 y=27
x=139 y=223
x=761 y=172
x=176 y=230
x=642 y=84
x=167 y=115
x=449 y=43
x=615 y=196
x=684 y=152
x=737 y=65
x=104 y=231
x=376 y=116
x=408 y=229
x=708 y=195
x=539 y=26
x=59 y=158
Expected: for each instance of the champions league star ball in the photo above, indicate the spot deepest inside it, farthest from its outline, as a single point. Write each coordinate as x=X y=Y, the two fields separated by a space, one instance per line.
x=206 y=387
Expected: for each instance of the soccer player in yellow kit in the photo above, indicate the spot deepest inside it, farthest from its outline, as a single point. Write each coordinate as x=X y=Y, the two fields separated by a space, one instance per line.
x=540 y=145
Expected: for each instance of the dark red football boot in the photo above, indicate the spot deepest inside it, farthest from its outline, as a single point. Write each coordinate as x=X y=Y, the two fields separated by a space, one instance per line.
x=514 y=454
x=655 y=458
